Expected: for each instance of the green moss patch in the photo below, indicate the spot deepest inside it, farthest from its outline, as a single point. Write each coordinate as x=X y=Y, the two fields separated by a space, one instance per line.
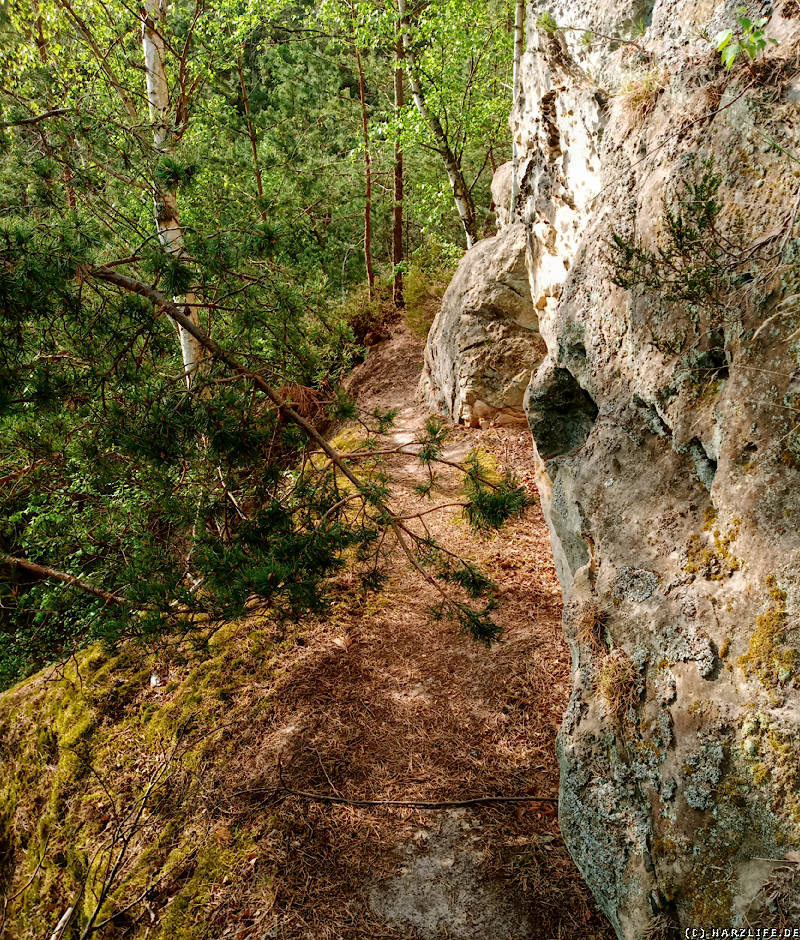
x=767 y=657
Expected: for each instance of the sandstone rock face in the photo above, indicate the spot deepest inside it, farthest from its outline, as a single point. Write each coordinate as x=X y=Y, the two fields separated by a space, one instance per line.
x=666 y=414
x=501 y=193
x=484 y=343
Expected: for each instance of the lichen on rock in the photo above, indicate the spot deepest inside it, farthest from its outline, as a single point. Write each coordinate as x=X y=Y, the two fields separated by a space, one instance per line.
x=664 y=412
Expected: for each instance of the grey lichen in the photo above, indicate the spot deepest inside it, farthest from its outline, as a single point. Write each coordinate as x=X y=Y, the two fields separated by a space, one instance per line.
x=685 y=642
x=703 y=773
x=634 y=584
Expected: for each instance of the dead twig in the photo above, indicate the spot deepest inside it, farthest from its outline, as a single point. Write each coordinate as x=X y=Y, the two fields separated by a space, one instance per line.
x=420 y=804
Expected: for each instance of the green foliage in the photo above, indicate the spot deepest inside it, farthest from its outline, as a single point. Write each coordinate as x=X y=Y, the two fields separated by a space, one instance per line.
x=546 y=22
x=170 y=173
x=748 y=38
x=696 y=260
x=470 y=578
x=491 y=503
x=432 y=267
x=433 y=439
x=181 y=505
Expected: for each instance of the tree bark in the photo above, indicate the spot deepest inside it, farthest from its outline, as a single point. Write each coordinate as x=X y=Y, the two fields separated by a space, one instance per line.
x=165 y=197
x=397 y=205
x=367 y=176
x=253 y=142
x=52 y=574
x=461 y=192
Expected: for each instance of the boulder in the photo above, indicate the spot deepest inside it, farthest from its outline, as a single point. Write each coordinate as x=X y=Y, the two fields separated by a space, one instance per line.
x=484 y=343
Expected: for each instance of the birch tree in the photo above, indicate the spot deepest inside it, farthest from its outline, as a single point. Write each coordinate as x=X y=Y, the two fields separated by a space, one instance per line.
x=398 y=181
x=166 y=122
x=456 y=53
x=519 y=42
x=462 y=193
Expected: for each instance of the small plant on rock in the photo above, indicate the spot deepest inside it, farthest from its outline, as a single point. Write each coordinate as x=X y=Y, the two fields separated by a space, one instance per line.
x=748 y=38
x=591 y=622
x=547 y=24
x=639 y=93
x=697 y=260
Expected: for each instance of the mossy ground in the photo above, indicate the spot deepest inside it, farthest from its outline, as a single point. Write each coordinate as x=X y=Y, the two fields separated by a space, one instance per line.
x=372 y=700
x=90 y=745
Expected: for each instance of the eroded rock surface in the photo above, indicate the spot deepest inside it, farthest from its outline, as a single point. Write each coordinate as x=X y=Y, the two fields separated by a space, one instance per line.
x=669 y=452
x=666 y=414
x=484 y=343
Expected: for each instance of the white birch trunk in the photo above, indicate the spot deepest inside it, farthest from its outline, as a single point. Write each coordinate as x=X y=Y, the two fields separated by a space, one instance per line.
x=461 y=193
x=168 y=225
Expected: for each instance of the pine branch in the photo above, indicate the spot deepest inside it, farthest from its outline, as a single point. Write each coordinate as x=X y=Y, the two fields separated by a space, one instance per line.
x=53 y=574
x=56 y=112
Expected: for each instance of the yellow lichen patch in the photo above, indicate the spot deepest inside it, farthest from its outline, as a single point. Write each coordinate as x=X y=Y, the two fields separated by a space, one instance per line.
x=707 y=885
x=712 y=558
x=784 y=765
x=767 y=658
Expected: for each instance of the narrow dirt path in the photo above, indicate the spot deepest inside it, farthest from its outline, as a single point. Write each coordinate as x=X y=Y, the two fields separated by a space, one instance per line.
x=383 y=703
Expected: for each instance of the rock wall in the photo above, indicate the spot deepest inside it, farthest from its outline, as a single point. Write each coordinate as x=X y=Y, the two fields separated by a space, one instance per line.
x=666 y=414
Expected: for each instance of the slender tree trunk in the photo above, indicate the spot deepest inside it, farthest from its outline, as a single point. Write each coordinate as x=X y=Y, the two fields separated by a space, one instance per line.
x=519 y=20
x=397 y=205
x=253 y=142
x=367 y=176
x=461 y=193
x=165 y=197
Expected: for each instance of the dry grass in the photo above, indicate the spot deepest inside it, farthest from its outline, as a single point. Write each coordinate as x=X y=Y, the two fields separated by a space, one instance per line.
x=638 y=94
x=661 y=927
x=591 y=623
x=617 y=683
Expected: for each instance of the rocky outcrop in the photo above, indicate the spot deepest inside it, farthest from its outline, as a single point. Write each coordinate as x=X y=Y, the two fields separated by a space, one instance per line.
x=484 y=343
x=501 y=194
x=666 y=414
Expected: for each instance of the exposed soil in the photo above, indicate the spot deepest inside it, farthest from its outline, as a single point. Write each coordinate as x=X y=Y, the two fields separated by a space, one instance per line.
x=385 y=703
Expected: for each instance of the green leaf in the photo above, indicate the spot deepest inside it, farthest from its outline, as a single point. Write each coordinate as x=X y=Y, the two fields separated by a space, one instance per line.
x=723 y=38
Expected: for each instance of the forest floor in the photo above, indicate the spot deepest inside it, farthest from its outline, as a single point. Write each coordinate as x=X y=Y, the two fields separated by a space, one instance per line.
x=388 y=704
x=373 y=700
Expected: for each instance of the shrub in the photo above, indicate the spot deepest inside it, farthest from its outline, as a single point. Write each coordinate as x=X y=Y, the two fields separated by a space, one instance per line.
x=748 y=38
x=367 y=316
x=432 y=268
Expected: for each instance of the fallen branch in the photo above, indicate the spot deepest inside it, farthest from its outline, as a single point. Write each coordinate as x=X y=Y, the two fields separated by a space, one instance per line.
x=420 y=804
x=282 y=788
